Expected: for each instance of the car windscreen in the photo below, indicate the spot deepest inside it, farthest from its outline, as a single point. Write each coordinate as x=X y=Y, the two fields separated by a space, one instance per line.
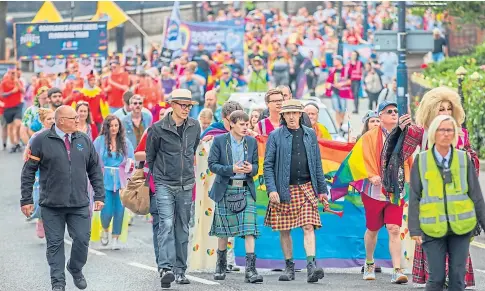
x=325 y=119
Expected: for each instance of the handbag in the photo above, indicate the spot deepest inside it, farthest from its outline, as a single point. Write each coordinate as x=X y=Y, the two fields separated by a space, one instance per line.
x=236 y=203
x=136 y=195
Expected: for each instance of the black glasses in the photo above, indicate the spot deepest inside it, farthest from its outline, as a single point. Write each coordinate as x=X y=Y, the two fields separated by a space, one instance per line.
x=137 y=103
x=184 y=106
x=276 y=101
x=391 y=111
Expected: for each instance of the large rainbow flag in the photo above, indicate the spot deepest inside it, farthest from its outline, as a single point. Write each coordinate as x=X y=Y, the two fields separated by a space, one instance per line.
x=339 y=242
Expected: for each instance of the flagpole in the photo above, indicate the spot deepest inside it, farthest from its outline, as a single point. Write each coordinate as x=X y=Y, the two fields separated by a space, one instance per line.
x=72 y=10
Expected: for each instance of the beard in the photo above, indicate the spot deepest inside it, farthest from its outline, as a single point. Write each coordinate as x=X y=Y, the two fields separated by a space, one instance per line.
x=57 y=104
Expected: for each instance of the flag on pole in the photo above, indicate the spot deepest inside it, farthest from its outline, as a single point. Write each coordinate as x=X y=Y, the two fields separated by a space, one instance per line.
x=47 y=13
x=173 y=40
x=110 y=12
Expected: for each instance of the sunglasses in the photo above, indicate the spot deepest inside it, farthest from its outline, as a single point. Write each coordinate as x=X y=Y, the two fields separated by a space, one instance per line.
x=184 y=106
x=137 y=103
x=391 y=111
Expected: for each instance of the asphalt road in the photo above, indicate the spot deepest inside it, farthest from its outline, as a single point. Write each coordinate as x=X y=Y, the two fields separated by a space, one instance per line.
x=24 y=267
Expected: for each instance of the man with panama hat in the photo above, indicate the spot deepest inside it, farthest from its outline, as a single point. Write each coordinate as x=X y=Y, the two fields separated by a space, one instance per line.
x=295 y=183
x=171 y=147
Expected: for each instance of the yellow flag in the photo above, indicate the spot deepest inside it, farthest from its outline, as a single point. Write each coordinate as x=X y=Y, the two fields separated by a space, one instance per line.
x=110 y=12
x=47 y=13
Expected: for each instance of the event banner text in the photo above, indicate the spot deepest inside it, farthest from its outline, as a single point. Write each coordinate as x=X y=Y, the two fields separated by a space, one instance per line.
x=61 y=40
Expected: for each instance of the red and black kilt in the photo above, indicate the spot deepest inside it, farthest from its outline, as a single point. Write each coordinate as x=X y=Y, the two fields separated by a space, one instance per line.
x=420 y=268
x=302 y=210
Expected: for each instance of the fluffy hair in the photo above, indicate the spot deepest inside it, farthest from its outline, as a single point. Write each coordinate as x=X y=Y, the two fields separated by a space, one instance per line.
x=430 y=105
x=120 y=137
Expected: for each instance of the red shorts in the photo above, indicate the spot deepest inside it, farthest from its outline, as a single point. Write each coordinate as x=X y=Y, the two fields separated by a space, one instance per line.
x=379 y=213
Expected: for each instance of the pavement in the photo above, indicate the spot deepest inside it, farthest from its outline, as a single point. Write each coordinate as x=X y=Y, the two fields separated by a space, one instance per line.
x=24 y=266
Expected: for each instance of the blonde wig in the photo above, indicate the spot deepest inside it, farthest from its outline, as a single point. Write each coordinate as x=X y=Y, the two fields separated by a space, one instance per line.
x=435 y=124
x=430 y=105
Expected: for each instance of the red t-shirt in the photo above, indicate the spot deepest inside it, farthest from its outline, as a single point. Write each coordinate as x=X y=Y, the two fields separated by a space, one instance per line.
x=152 y=94
x=11 y=100
x=115 y=96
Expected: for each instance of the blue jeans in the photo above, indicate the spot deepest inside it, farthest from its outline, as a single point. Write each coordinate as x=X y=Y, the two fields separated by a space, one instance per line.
x=113 y=209
x=339 y=104
x=173 y=205
x=438 y=57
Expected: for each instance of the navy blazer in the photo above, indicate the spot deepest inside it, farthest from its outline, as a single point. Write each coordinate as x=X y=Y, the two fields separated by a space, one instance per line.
x=220 y=163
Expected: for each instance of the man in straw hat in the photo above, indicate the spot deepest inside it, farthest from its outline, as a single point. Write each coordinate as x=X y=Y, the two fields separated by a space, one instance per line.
x=171 y=146
x=295 y=183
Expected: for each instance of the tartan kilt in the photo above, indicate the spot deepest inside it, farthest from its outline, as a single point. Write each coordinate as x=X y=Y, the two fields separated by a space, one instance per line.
x=302 y=210
x=420 y=268
x=228 y=224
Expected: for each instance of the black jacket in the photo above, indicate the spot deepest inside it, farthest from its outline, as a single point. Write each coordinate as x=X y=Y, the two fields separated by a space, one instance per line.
x=171 y=156
x=220 y=163
x=63 y=182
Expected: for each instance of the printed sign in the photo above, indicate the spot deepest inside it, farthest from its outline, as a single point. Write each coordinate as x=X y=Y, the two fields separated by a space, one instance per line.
x=166 y=56
x=61 y=40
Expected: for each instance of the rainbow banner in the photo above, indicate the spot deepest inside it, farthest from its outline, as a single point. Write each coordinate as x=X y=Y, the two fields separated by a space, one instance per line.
x=340 y=241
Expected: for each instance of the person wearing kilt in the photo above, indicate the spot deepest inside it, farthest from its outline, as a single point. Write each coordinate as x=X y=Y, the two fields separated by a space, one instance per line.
x=295 y=183
x=234 y=159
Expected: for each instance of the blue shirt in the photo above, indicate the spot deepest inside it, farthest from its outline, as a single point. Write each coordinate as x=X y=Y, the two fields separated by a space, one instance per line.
x=238 y=154
x=440 y=158
x=61 y=133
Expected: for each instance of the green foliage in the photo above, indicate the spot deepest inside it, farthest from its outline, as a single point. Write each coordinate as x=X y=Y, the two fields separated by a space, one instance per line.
x=468 y=11
x=443 y=73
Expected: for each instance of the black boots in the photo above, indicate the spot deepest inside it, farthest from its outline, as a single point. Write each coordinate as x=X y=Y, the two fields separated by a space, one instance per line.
x=251 y=273
x=221 y=265
x=289 y=273
x=314 y=273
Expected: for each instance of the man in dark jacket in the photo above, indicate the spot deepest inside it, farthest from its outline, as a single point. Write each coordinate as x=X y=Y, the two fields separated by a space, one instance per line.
x=64 y=158
x=171 y=146
x=295 y=183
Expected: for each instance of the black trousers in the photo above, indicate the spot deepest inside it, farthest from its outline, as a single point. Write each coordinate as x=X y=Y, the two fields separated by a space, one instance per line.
x=457 y=247
x=79 y=228
x=355 y=86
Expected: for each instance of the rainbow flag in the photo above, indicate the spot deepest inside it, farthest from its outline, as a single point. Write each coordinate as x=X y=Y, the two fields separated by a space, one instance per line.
x=361 y=163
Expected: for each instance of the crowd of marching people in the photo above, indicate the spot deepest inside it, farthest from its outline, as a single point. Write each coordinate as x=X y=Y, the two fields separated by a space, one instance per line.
x=96 y=130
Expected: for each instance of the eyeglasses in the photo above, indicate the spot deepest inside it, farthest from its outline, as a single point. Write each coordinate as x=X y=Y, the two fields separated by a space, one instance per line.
x=276 y=101
x=137 y=103
x=445 y=130
x=184 y=106
x=391 y=111
x=71 y=118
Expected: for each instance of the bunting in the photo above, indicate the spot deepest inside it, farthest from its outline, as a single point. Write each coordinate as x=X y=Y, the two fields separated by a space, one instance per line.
x=47 y=13
x=110 y=12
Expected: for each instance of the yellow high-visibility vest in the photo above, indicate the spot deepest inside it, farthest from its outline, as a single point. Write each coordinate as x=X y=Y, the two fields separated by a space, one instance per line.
x=441 y=204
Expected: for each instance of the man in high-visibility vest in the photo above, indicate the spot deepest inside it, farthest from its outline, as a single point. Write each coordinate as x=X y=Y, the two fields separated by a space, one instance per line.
x=445 y=204
x=225 y=86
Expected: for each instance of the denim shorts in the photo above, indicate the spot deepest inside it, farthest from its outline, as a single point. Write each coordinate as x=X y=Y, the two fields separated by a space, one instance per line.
x=339 y=104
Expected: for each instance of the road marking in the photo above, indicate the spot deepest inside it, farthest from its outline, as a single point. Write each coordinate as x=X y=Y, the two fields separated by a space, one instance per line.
x=193 y=278
x=97 y=253
x=478 y=245
x=481 y=271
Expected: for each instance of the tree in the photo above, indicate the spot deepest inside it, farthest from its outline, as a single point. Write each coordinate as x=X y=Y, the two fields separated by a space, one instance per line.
x=467 y=12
